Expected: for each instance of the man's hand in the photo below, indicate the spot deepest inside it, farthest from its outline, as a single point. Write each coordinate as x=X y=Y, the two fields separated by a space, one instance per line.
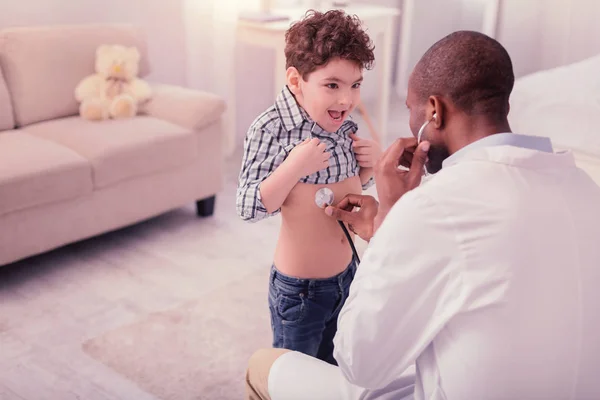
x=361 y=222
x=367 y=151
x=393 y=183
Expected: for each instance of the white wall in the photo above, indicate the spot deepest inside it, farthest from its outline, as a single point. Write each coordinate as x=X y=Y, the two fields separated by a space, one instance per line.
x=425 y=22
x=369 y=87
x=538 y=34
x=160 y=18
x=520 y=31
x=163 y=23
x=541 y=34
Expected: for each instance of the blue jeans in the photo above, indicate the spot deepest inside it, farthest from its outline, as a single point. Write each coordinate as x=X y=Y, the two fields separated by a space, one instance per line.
x=304 y=312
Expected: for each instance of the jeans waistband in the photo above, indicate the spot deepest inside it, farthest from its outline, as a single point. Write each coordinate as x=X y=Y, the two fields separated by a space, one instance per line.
x=336 y=280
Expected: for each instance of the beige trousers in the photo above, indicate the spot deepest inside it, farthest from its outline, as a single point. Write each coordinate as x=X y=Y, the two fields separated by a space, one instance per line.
x=257 y=374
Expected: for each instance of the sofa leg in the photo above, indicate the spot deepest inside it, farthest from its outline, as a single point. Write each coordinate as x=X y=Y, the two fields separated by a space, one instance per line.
x=205 y=207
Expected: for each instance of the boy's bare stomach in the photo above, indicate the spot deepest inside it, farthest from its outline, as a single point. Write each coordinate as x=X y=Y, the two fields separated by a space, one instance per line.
x=311 y=244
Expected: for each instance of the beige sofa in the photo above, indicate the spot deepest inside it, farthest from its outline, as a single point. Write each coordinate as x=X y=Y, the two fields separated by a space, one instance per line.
x=63 y=179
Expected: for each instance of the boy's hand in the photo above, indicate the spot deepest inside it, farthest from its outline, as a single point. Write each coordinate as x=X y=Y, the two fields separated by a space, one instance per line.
x=367 y=151
x=309 y=157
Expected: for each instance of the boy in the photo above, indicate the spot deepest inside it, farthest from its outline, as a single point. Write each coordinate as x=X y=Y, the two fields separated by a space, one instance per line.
x=301 y=144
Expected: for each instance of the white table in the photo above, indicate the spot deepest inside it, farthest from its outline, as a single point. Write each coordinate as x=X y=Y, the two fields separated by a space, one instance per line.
x=378 y=20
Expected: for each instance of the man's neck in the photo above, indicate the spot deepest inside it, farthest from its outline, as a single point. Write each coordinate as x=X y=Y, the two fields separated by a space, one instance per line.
x=475 y=130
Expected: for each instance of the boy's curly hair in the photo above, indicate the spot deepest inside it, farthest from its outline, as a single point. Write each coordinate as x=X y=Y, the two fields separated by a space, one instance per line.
x=320 y=37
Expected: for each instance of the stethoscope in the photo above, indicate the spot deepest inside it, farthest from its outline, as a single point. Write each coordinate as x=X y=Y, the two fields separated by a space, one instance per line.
x=324 y=197
x=420 y=134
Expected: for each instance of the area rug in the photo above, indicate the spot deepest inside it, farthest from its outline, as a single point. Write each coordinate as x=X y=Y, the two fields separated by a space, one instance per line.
x=196 y=351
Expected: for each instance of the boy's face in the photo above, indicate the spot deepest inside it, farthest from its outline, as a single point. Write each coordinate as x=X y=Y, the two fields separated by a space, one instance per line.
x=330 y=93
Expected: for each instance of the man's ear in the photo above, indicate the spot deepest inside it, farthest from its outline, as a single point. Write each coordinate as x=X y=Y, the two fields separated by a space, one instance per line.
x=293 y=78
x=435 y=111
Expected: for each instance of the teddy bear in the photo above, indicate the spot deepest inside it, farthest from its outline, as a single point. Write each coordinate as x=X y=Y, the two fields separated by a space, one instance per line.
x=114 y=91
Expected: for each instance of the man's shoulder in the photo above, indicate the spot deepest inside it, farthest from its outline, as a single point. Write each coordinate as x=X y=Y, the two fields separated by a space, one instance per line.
x=459 y=178
x=444 y=187
x=432 y=186
x=268 y=121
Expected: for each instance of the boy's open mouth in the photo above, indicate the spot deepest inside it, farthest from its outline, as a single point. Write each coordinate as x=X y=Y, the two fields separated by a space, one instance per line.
x=336 y=115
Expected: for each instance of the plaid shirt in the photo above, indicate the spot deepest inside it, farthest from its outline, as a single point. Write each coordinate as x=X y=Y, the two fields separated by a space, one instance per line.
x=269 y=141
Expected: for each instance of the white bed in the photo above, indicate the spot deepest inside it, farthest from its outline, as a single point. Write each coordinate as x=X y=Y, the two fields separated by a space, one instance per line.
x=562 y=103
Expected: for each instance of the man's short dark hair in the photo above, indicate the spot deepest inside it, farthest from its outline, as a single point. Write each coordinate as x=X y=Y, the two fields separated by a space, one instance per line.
x=321 y=37
x=471 y=69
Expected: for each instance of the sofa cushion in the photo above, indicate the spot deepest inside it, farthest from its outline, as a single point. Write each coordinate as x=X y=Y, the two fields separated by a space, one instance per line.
x=6 y=112
x=122 y=149
x=43 y=65
x=36 y=171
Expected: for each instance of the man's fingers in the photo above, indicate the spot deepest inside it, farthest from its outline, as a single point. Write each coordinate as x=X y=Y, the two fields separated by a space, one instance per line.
x=406 y=159
x=341 y=215
x=350 y=201
x=345 y=204
x=418 y=161
x=392 y=156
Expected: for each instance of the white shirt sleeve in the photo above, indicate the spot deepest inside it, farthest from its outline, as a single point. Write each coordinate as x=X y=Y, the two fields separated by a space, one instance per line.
x=405 y=290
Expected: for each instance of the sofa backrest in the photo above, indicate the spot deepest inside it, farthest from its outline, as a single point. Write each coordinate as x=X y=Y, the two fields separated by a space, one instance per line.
x=43 y=65
x=6 y=112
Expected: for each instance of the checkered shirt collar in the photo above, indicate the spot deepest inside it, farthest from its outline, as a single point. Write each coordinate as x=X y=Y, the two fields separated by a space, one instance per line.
x=290 y=112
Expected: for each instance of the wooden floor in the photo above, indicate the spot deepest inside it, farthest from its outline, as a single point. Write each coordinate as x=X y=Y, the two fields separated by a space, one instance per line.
x=51 y=304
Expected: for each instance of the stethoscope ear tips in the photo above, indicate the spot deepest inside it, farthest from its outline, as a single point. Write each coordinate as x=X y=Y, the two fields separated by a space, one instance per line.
x=420 y=133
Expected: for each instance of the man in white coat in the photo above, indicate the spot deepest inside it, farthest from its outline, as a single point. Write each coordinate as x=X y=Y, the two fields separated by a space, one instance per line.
x=481 y=282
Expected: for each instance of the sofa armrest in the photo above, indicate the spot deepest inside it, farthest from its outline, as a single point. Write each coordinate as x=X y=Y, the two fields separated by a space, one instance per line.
x=192 y=109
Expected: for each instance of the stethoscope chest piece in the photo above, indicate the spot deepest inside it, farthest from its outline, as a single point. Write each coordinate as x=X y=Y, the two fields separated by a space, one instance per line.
x=324 y=197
